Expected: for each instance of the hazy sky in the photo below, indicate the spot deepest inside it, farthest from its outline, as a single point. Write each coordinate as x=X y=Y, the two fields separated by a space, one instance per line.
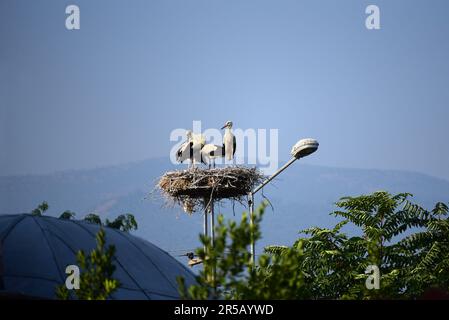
x=112 y=91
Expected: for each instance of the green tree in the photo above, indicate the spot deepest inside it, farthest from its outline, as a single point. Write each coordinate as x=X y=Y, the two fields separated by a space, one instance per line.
x=124 y=222
x=39 y=211
x=96 y=276
x=334 y=264
x=229 y=274
x=67 y=215
x=409 y=245
x=224 y=263
x=429 y=250
x=330 y=261
x=93 y=218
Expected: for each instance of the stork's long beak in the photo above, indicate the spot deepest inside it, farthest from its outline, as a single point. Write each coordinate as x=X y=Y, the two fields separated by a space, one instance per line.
x=223 y=127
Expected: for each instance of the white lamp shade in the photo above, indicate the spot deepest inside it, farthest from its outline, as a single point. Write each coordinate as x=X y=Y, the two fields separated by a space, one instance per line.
x=304 y=147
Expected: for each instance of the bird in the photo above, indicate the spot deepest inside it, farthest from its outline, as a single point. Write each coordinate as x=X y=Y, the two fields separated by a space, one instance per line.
x=229 y=142
x=211 y=152
x=189 y=255
x=183 y=152
x=192 y=260
x=190 y=147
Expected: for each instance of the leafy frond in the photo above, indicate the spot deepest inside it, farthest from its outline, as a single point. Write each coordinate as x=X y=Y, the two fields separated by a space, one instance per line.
x=441 y=209
x=275 y=250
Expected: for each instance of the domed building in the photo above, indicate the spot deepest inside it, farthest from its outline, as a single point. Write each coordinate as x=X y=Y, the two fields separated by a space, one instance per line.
x=35 y=250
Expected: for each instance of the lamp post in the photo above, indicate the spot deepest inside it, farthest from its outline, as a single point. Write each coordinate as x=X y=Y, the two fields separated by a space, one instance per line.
x=301 y=149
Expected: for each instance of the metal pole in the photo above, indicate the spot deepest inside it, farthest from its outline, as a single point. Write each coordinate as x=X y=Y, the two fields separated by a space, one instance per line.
x=212 y=239
x=285 y=166
x=251 y=204
x=251 y=218
x=212 y=222
x=205 y=225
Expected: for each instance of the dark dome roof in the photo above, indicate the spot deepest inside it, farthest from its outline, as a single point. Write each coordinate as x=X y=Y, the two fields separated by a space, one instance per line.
x=34 y=252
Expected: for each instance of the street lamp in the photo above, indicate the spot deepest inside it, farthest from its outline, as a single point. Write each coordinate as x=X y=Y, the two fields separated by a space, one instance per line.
x=301 y=149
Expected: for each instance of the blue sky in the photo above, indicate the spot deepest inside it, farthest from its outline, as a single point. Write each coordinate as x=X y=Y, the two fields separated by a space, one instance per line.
x=112 y=91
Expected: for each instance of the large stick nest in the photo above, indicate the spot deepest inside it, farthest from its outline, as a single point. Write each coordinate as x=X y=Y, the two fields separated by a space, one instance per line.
x=198 y=187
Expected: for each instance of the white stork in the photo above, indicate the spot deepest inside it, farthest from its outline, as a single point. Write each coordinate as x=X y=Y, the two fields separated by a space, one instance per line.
x=211 y=152
x=229 y=141
x=191 y=147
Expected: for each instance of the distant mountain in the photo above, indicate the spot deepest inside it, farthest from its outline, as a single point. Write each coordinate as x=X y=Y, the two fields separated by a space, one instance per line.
x=302 y=197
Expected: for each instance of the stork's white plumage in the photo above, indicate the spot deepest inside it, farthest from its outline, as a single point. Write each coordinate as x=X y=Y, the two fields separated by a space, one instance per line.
x=229 y=142
x=198 y=143
x=198 y=139
x=191 y=148
x=210 y=152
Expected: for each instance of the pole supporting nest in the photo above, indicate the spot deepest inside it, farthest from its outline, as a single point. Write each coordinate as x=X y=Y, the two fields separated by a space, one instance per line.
x=212 y=222
x=251 y=221
x=205 y=226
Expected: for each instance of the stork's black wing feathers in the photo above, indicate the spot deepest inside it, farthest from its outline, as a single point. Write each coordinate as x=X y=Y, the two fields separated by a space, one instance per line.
x=191 y=150
x=201 y=157
x=179 y=152
x=182 y=149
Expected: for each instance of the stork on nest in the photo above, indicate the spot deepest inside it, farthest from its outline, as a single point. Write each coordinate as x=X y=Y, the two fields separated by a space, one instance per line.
x=195 y=188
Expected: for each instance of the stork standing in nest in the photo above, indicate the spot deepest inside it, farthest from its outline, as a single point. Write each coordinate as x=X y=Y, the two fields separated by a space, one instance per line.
x=229 y=142
x=210 y=152
x=191 y=148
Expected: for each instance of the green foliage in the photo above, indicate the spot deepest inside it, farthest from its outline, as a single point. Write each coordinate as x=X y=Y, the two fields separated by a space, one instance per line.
x=93 y=218
x=226 y=263
x=97 y=269
x=409 y=245
x=276 y=277
x=228 y=272
x=334 y=264
x=67 y=215
x=39 y=211
x=124 y=222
